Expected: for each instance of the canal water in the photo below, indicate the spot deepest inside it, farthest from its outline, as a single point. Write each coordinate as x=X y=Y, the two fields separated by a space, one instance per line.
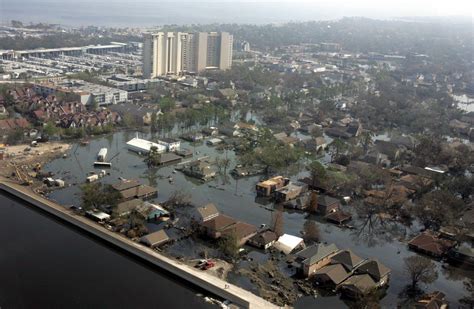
x=236 y=198
x=46 y=264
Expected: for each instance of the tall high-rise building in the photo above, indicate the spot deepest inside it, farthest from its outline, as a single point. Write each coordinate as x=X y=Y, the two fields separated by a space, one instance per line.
x=177 y=52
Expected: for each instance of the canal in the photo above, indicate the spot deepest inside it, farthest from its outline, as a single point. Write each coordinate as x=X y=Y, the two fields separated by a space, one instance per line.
x=47 y=264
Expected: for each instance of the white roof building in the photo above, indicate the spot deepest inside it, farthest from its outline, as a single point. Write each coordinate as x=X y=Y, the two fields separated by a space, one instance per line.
x=287 y=243
x=143 y=146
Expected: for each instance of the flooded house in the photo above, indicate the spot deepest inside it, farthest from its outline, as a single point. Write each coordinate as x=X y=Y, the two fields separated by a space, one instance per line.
x=263 y=239
x=431 y=244
x=199 y=169
x=205 y=213
x=193 y=137
x=125 y=208
x=341 y=267
x=462 y=255
x=289 y=243
x=290 y=191
x=268 y=187
x=142 y=146
x=327 y=205
x=132 y=189
x=223 y=225
x=338 y=217
x=313 y=258
x=151 y=212
x=170 y=144
x=436 y=300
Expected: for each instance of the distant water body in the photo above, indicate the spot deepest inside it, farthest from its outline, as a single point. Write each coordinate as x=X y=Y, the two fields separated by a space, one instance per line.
x=146 y=13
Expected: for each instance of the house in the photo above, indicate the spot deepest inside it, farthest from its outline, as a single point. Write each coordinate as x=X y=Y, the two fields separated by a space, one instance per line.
x=170 y=144
x=125 y=208
x=206 y=213
x=338 y=217
x=243 y=126
x=388 y=148
x=290 y=191
x=139 y=192
x=142 y=146
x=282 y=137
x=268 y=187
x=358 y=285
x=429 y=243
x=241 y=231
x=263 y=240
x=151 y=212
x=199 y=169
x=155 y=239
x=313 y=258
x=126 y=184
x=214 y=227
x=193 y=137
x=331 y=275
x=327 y=204
x=288 y=243
x=321 y=143
x=435 y=300
x=223 y=225
x=301 y=202
x=214 y=141
x=379 y=272
x=463 y=255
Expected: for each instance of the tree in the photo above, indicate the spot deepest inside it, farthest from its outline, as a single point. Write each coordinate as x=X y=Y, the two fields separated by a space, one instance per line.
x=50 y=129
x=277 y=222
x=154 y=157
x=228 y=245
x=167 y=104
x=318 y=172
x=15 y=136
x=311 y=233
x=366 y=139
x=313 y=202
x=337 y=147
x=96 y=195
x=420 y=269
x=438 y=208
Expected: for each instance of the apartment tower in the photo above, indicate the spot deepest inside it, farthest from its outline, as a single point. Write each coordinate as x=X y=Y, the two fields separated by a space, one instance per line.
x=174 y=53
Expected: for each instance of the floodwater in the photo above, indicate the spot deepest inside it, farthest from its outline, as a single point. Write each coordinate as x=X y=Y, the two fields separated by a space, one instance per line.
x=236 y=198
x=48 y=264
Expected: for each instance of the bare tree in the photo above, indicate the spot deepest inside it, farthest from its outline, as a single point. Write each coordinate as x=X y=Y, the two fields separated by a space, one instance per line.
x=311 y=233
x=313 y=202
x=420 y=269
x=277 y=222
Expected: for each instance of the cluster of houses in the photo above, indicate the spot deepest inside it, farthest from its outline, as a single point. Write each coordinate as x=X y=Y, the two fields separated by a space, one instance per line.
x=41 y=109
x=296 y=195
x=335 y=269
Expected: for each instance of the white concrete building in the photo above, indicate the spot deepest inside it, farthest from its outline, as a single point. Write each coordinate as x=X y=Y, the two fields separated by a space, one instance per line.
x=173 y=53
x=88 y=93
x=171 y=144
x=143 y=146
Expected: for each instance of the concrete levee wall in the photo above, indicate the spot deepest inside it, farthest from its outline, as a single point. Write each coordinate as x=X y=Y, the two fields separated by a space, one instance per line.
x=203 y=280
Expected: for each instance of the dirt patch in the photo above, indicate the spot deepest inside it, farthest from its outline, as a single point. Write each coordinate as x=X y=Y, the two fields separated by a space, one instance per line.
x=273 y=286
x=25 y=158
